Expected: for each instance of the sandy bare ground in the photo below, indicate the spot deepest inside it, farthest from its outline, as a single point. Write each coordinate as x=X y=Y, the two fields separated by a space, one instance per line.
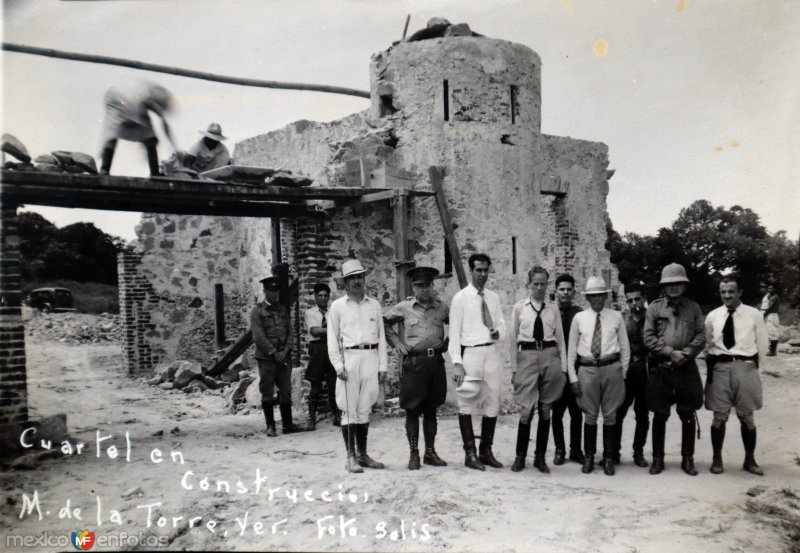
x=451 y=508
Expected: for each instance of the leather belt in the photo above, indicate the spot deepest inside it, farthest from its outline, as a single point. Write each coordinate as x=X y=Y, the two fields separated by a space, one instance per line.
x=638 y=358
x=430 y=352
x=584 y=362
x=537 y=345
x=732 y=358
x=480 y=345
x=363 y=346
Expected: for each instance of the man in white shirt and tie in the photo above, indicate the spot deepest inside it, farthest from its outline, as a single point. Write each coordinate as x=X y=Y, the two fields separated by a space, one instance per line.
x=539 y=363
x=319 y=368
x=357 y=350
x=476 y=324
x=598 y=340
x=736 y=338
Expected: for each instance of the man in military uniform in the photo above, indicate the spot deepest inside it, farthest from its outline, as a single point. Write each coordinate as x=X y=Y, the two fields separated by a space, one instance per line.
x=674 y=335
x=423 y=384
x=319 y=368
x=269 y=323
x=539 y=364
x=357 y=349
x=636 y=380
x=565 y=293
x=736 y=338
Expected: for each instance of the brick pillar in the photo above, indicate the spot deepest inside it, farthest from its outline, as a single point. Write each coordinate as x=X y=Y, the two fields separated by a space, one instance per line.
x=13 y=380
x=566 y=238
x=135 y=293
x=316 y=260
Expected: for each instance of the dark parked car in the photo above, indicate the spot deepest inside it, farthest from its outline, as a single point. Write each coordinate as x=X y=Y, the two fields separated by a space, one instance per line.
x=51 y=300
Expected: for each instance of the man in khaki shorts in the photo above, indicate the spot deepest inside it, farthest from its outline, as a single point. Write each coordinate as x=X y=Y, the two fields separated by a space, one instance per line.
x=539 y=362
x=736 y=338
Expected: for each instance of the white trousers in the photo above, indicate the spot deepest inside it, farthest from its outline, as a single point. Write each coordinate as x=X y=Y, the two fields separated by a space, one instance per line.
x=484 y=363
x=356 y=396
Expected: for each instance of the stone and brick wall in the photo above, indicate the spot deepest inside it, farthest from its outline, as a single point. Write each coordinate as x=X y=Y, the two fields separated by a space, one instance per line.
x=13 y=379
x=135 y=297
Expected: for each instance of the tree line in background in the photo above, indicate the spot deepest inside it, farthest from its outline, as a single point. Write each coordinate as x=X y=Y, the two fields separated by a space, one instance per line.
x=711 y=241
x=79 y=252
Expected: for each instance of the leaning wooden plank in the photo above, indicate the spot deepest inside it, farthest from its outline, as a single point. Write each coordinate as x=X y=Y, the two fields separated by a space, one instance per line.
x=231 y=354
x=437 y=183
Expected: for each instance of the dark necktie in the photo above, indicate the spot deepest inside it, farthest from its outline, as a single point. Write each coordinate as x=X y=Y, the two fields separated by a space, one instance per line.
x=597 y=338
x=324 y=322
x=728 y=338
x=538 y=327
x=485 y=313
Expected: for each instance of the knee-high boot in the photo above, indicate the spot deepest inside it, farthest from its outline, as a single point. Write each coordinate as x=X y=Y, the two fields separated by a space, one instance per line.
x=412 y=433
x=468 y=437
x=658 y=439
x=688 y=428
x=717 y=439
x=269 y=415
x=486 y=456
x=589 y=447
x=749 y=440
x=523 y=438
x=539 y=454
x=429 y=427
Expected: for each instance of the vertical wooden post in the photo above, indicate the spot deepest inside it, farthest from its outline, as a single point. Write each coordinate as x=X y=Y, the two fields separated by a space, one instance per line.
x=402 y=254
x=436 y=175
x=276 y=240
x=219 y=312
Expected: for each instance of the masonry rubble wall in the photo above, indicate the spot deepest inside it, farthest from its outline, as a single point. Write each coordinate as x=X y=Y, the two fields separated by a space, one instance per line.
x=483 y=125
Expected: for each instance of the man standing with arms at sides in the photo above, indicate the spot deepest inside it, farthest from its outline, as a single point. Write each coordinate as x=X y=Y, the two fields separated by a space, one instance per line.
x=357 y=349
x=674 y=334
x=598 y=342
x=736 y=339
x=423 y=382
x=770 y=305
x=539 y=362
x=636 y=380
x=565 y=292
x=476 y=324
x=272 y=335
x=319 y=368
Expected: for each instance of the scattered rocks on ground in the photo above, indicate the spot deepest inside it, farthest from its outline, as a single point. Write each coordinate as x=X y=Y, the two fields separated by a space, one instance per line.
x=74 y=328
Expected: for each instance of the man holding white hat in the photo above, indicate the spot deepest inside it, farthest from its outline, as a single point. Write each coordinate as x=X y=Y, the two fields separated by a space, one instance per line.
x=674 y=334
x=209 y=152
x=598 y=341
x=476 y=324
x=357 y=350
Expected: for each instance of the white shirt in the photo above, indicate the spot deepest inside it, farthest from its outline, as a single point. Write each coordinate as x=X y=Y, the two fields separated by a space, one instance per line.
x=313 y=318
x=355 y=324
x=614 y=338
x=206 y=159
x=523 y=318
x=466 y=320
x=749 y=331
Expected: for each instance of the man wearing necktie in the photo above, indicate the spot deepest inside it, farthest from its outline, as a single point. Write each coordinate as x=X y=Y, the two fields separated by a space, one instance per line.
x=674 y=334
x=539 y=363
x=320 y=370
x=598 y=341
x=476 y=324
x=737 y=341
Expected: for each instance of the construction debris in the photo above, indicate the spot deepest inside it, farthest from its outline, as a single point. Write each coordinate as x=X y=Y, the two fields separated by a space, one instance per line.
x=13 y=146
x=66 y=162
x=74 y=328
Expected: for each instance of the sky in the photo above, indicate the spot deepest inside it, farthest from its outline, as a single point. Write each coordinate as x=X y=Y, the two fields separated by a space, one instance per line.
x=695 y=99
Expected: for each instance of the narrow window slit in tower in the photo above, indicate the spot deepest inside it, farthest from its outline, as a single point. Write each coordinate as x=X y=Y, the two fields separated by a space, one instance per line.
x=446 y=88
x=513 y=98
x=513 y=255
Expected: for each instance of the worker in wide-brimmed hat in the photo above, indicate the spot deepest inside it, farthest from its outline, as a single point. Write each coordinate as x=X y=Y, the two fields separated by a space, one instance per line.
x=209 y=152
x=598 y=341
x=423 y=382
x=127 y=117
x=272 y=335
x=674 y=334
x=357 y=350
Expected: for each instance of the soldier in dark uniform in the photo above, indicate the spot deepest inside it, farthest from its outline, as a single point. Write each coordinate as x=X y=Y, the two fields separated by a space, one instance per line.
x=269 y=323
x=423 y=384
x=636 y=379
x=565 y=292
x=320 y=370
x=674 y=334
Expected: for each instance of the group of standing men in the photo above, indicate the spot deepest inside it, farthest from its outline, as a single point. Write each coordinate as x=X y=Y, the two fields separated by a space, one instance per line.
x=590 y=362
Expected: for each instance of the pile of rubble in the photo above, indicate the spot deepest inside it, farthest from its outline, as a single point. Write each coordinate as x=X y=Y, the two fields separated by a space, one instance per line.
x=189 y=377
x=74 y=328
